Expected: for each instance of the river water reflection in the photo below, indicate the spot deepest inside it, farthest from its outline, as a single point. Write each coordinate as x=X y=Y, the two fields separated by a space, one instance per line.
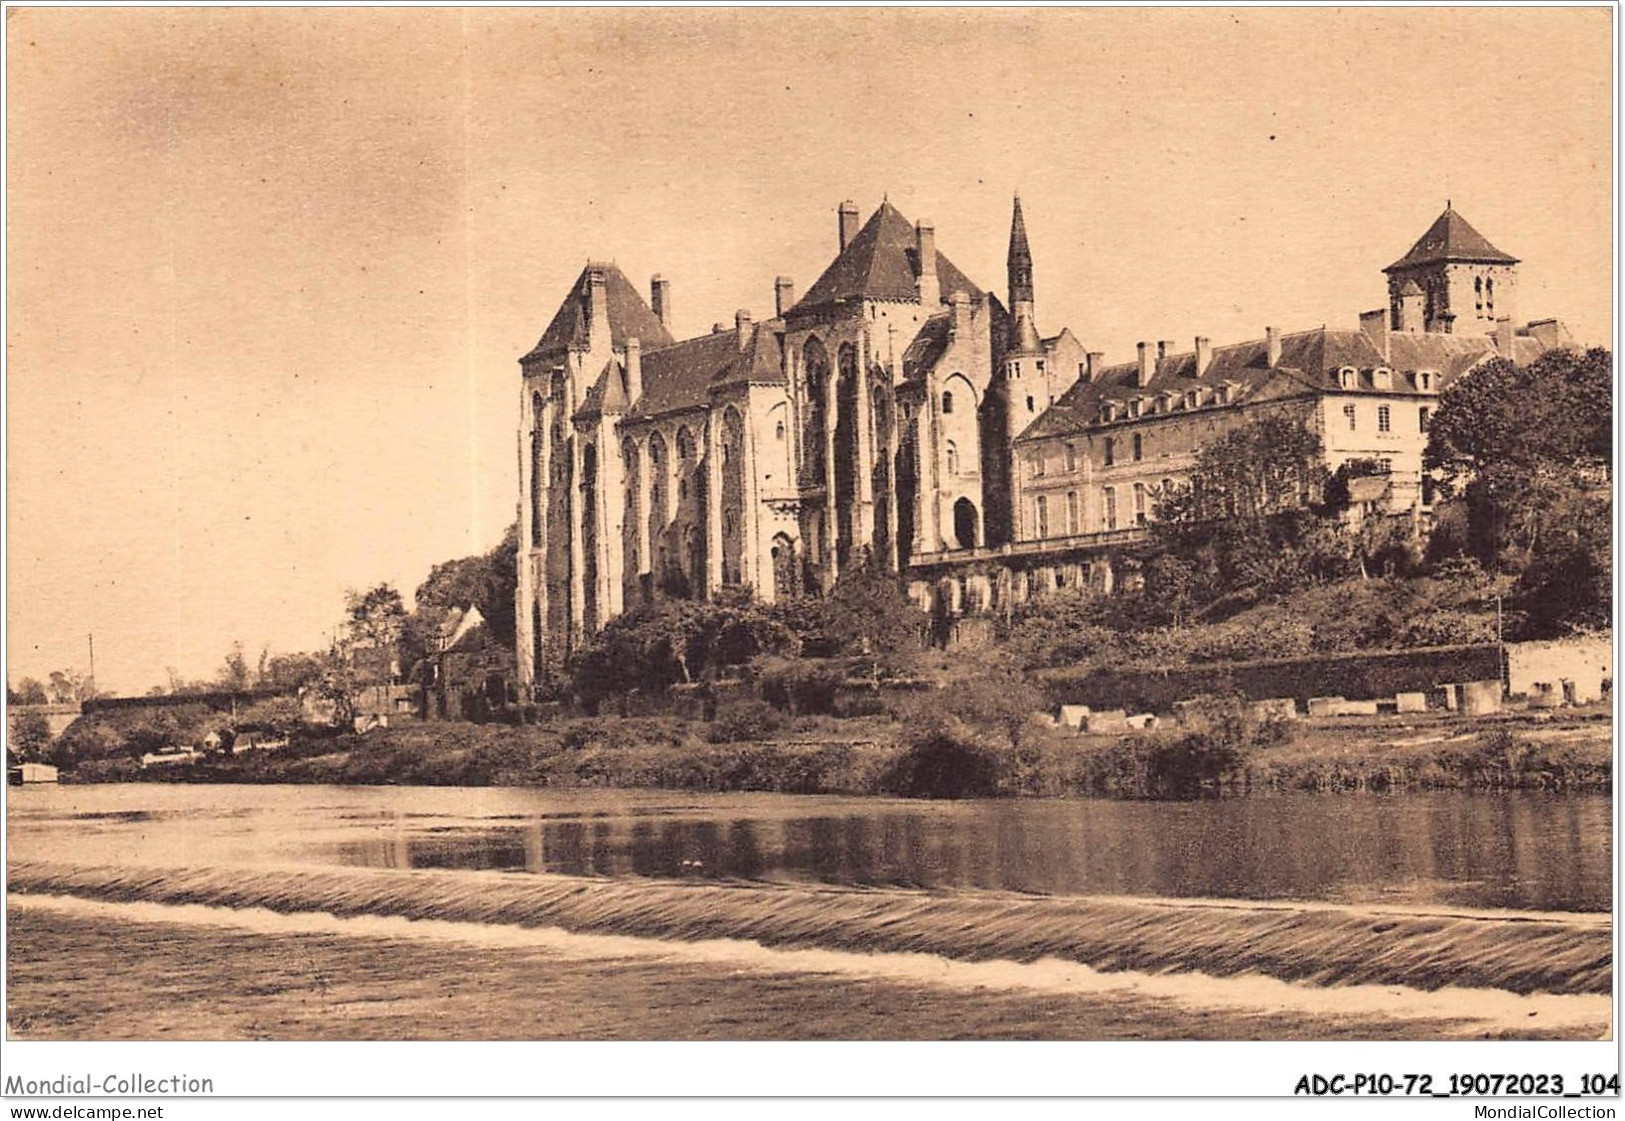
x=1543 y=852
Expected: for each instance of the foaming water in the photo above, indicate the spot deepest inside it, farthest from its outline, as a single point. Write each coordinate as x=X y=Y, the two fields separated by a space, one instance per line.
x=1467 y=1011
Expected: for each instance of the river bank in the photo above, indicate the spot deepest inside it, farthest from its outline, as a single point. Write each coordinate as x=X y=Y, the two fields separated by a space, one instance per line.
x=1567 y=751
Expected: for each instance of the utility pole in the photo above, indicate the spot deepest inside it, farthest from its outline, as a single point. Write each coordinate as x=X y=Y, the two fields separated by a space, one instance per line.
x=90 y=639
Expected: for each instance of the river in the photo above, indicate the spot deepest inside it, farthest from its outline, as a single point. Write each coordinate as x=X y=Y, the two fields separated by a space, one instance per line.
x=1518 y=851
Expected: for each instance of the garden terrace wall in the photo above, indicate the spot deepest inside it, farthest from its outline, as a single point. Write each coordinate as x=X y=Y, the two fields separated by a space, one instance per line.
x=1355 y=676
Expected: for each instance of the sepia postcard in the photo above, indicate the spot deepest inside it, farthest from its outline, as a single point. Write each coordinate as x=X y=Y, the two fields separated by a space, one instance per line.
x=718 y=525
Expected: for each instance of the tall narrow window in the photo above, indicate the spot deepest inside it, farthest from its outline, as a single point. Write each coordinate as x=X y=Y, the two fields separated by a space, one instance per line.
x=1139 y=503
x=1422 y=419
x=1111 y=451
x=1489 y=297
x=953 y=458
x=1029 y=404
x=1072 y=512
x=1348 y=415
x=947 y=403
x=1139 y=447
x=1071 y=457
x=1108 y=508
x=1038 y=464
x=1478 y=294
x=1043 y=516
x=1384 y=416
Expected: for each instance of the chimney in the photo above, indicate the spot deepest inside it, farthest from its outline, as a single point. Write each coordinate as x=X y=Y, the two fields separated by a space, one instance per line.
x=1204 y=354
x=742 y=327
x=1147 y=367
x=849 y=222
x=1165 y=349
x=718 y=327
x=634 y=371
x=784 y=295
x=597 y=308
x=925 y=248
x=660 y=299
x=1094 y=363
x=1272 y=347
x=1505 y=336
x=961 y=312
x=1375 y=326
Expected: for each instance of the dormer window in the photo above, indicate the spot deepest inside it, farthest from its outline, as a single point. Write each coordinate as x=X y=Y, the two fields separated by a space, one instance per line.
x=1348 y=378
x=1193 y=398
x=1382 y=378
x=1427 y=381
x=1165 y=403
x=1135 y=405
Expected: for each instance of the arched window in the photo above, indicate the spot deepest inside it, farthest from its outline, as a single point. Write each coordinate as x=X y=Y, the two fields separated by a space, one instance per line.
x=947 y=403
x=778 y=430
x=953 y=458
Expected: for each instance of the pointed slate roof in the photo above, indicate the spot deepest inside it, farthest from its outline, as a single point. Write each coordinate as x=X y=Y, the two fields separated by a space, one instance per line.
x=1451 y=238
x=1019 y=250
x=681 y=376
x=629 y=317
x=880 y=264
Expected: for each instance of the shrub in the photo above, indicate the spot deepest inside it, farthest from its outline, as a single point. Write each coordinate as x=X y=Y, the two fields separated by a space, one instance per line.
x=799 y=686
x=744 y=720
x=945 y=762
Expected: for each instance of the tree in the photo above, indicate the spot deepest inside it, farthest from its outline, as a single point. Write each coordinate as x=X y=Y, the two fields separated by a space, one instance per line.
x=1269 y=465
x=674 y=641
x=70 y=687
x=291 y=671
x=487 y=580
x=30 y=736
x=1518 y=442
x=374 y=621
x=339 y=683
x=868 y=614
x=27 y=692
x=234 y=673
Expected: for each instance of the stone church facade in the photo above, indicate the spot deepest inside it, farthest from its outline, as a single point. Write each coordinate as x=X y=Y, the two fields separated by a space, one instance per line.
x=898 y=414
x=870 y=420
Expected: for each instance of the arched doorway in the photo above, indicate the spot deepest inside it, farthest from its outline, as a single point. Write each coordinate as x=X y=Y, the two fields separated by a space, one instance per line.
x=965 y=523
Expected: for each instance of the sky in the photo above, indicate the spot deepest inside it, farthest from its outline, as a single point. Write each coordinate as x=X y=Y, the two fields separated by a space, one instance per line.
x=271 y=270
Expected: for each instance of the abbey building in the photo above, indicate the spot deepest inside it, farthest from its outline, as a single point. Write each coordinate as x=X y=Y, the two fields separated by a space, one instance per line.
x=899 y=414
